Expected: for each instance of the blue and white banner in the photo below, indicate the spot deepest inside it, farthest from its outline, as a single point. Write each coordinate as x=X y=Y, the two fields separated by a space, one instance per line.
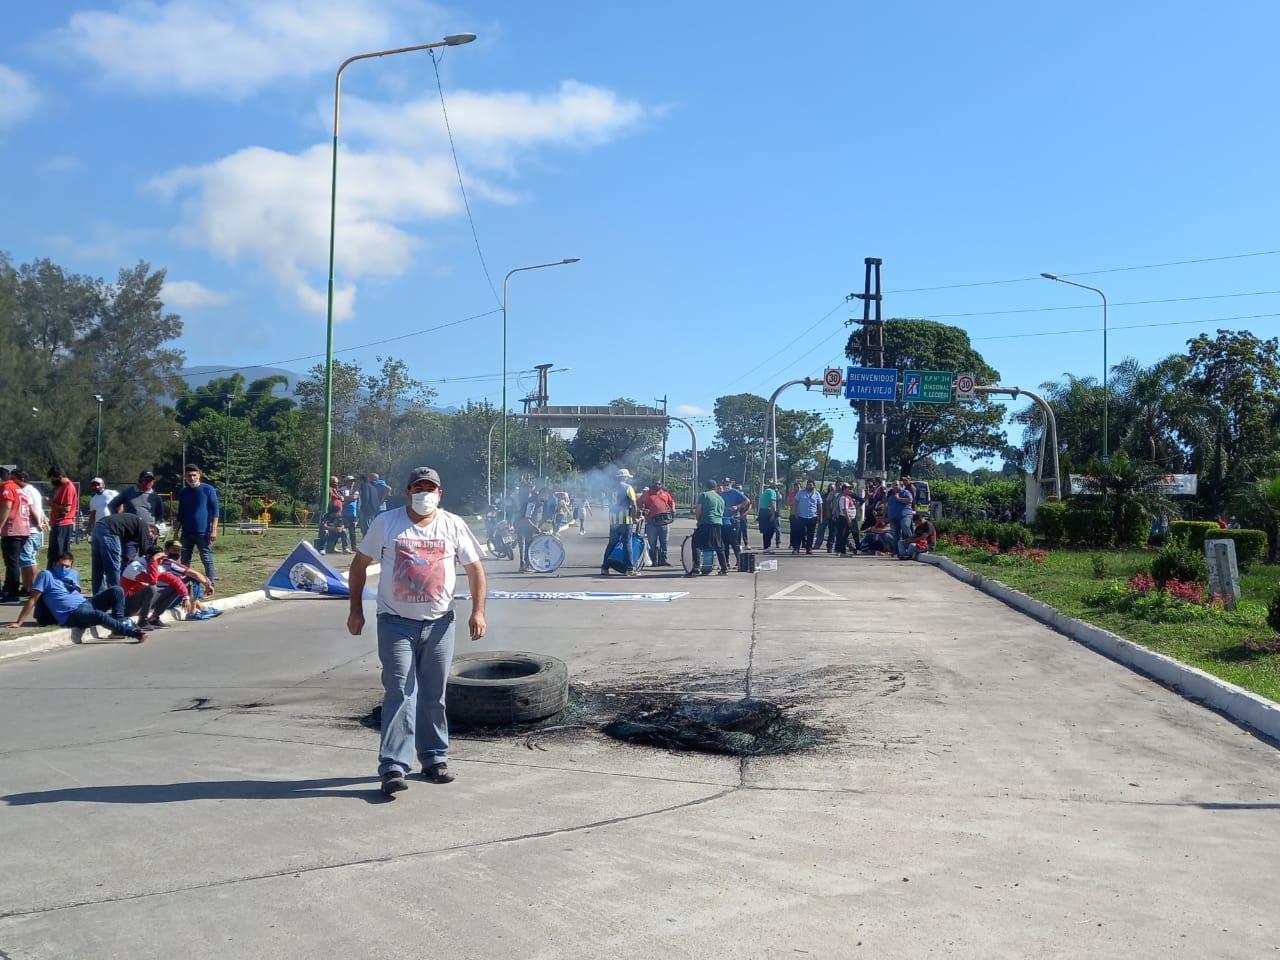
x=536 y=595
x=306 y=570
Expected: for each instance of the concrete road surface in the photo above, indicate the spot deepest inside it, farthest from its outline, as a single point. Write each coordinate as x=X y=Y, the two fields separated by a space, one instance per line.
x=987 y=788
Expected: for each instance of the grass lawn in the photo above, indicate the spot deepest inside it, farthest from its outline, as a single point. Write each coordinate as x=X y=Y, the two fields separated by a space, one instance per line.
x=1245 y=652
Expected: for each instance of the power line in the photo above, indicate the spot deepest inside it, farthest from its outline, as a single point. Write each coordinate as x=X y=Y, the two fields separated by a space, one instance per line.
x=1094 y=306
x=435 y=65
x=1131 y=326
x=805 y=332
x=1089 y=273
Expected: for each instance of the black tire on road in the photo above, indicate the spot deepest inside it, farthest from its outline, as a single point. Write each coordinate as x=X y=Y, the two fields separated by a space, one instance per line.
x=504 y=687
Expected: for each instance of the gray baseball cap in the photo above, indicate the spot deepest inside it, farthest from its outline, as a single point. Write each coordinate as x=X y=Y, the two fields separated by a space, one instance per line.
x=423 y=473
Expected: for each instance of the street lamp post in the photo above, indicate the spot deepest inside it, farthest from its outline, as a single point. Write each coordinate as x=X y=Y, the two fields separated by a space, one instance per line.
x=506 y=282
x=453 y=40
x=97 y=451
x=181 y=437
x=1106 y=387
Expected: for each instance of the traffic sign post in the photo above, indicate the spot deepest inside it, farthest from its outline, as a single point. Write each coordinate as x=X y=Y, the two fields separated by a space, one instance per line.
x=927 y=386
x=964 y=387
x=832 y=381
x=871 y=383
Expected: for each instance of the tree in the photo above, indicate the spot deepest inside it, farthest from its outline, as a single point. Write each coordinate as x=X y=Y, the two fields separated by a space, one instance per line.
x=1154 y=414
x=1128 y=490
x=594 y=446
x=916 y=431
x=1236 y=376
x=1077 y=413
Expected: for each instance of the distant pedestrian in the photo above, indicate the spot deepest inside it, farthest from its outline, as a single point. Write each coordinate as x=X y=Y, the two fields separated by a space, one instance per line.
x=624 y=514
x=15 y=527
x=99 y=501
x=735 y=505
x=901 y=508
x=845 y=518
x=373 y=498
x=197 y=520
x=64 y=504
x=140 y=499
x=28 y=560
x=659 y=511
x=417 y=545
x=56 y=599
x=769 y=518
x=708 y=512
x=743 y=515
x=333 y=532
x=805 y=516
x=350 y=493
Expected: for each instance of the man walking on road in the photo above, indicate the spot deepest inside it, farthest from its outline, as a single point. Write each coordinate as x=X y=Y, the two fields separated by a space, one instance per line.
x=659 y=510
x=769 y=519
x=417 y=545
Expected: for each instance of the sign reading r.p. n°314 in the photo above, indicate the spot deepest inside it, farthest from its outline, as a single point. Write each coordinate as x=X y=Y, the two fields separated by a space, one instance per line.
x=927 y=386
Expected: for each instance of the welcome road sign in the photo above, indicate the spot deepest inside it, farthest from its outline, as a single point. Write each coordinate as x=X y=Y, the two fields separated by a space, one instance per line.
x=871 y=383
x=927 y=386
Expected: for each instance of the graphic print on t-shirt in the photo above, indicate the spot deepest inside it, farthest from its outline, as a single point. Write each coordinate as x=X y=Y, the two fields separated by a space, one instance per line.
x=419 y=570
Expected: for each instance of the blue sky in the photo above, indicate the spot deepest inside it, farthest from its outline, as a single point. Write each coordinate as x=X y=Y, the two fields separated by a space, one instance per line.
x=721 y=170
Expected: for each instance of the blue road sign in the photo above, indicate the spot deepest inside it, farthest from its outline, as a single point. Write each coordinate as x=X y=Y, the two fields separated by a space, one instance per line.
x=871 y=383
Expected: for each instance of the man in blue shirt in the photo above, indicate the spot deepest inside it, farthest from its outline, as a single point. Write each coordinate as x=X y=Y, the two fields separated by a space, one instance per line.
x=804 y=518
x=198 y=515
x=735 y=502
x=902 y=505
x=57 y=591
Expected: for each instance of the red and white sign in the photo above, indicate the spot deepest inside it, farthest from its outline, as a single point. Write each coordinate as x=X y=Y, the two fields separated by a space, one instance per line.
x=964 y=387
x=832 y=381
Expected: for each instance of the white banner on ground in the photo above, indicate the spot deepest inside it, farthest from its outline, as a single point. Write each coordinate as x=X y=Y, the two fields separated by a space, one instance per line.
x=581 y=595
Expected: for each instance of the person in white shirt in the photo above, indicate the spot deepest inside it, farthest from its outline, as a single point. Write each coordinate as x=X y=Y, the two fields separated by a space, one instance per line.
x=98 y=502
x=417 y=545
x=35 y=540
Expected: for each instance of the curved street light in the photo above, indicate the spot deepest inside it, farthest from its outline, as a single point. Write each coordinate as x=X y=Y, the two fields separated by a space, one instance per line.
x=453 y=40
x=1106 y=381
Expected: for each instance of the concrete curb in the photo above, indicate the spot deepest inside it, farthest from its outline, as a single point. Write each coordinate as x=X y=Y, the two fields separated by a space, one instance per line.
x=66 y=637
x=1246 y=708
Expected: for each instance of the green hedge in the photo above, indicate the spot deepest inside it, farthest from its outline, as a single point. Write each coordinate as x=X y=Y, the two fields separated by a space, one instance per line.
x=1087 y=526
x=1051 y=522
x=1136 y=529
x=1004 y=535
x=1250 y=545
x=1192 y=531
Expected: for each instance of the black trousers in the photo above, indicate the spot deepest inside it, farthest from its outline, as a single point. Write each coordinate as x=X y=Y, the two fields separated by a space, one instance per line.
x=12 y=547
x=59 y=542
x=802 y=531
x=709 y=536
x=732 y=534
x=842 y=535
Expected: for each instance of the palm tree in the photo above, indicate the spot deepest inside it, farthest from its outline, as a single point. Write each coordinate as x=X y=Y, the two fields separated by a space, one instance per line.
x=1259 y=504
x=1077 y=408
x=1156 y=416
x=1128 y=490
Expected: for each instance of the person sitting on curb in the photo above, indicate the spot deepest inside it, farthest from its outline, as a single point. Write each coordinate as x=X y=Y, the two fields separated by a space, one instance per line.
x=56 y=595
x=150 y=591
x=199 y=587
x=923 y=538
x=333 y=532
x=878 y=538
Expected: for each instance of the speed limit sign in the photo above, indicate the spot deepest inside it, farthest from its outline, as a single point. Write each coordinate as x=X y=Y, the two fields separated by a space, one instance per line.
x=832 y=381
x=964 y=387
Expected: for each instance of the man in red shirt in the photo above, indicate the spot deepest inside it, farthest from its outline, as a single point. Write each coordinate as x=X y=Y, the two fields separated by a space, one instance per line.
x=15 y=527
x=659 y=510
x=63 y=507
x=149 y=589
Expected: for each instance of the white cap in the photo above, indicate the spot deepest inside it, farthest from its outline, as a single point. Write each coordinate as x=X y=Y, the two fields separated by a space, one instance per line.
x=623 y=474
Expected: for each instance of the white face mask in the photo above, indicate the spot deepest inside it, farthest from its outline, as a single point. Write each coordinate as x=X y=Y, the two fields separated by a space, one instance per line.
x=425 y=503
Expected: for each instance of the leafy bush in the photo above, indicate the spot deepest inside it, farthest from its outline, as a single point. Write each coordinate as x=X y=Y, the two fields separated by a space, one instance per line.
x=1012 y=535
x=1192 y=531
x=1087 y=525
x=230 y=512
x=1273 y=612
x=1135 y=527
x=1250 y=545
x=1177 y=561
x=990 y=531
x=1050 y=522
x=256 y=507
x=1100 y=571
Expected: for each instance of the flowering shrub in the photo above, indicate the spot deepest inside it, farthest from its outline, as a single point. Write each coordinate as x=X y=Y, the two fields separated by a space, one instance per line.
x=1178 y=601
x=985 y=550
x=1182 y=591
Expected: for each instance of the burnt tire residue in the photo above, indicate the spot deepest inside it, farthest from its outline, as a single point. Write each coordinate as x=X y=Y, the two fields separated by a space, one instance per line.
x=738 y=728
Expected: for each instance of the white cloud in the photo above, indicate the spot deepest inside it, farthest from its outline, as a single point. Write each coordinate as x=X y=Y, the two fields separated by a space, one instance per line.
x=273 y=207
x=190 y=295
x=18 y=98
x=689 y=410
x=490 y=128
x=232 y=48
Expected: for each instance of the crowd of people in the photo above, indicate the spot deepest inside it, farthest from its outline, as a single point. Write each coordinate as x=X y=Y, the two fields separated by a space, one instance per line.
x=353 y=505
x=134 y=579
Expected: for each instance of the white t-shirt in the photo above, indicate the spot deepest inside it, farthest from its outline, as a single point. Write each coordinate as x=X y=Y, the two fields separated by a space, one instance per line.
x=34 y=497
x=98 y=504
x=418 y=574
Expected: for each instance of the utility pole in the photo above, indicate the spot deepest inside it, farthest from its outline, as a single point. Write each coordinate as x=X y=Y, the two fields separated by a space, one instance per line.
x=663 y=468
x=871 y=418
x=226 y=449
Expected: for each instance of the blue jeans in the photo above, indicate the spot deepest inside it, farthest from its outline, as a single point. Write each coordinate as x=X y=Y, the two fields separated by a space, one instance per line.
x=201 y=540
x=657 y=534
x=902 y=528
x=415 y=657
x=105 y=609
x=106 y=559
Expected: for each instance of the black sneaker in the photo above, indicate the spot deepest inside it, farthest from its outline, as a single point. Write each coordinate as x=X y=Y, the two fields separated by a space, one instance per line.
x=155 y=625
x=393 y=782
x=437 y=773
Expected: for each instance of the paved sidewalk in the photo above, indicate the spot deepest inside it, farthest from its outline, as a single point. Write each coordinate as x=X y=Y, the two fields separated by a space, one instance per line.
x=988 y=789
